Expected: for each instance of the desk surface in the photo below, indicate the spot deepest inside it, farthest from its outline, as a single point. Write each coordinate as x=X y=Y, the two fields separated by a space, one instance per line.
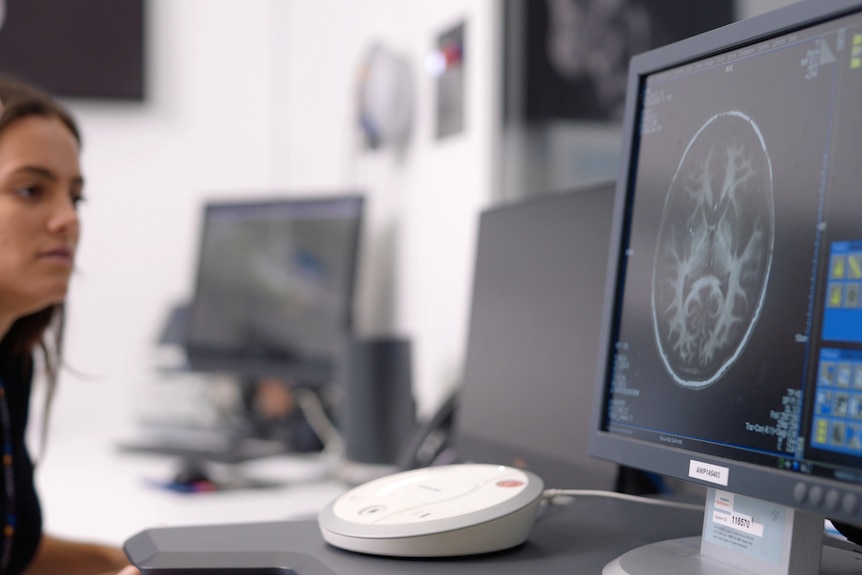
x=91 y=491
x=581 y=537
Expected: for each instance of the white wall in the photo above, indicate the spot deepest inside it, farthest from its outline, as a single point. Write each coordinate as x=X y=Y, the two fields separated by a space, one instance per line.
x=424 y=201
x=205 y=128
x=255 y=97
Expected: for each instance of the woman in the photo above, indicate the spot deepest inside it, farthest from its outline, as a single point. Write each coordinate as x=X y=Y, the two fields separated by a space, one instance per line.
x=40 y=188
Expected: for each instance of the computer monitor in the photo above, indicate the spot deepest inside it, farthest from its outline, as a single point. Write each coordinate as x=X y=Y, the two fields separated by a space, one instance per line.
x=731 y=349
x=531 y=347
x=274 y=288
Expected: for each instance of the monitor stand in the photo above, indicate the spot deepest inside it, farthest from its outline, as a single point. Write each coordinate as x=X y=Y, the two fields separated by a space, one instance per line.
x=745 y=535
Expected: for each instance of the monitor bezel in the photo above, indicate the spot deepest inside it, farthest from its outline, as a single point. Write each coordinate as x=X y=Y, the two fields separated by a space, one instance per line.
x=309 y=372
x=770 y=484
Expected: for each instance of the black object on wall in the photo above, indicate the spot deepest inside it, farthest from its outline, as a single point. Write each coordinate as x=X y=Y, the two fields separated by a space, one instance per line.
x=378 y=412
x=76 y=48
x=575 y=53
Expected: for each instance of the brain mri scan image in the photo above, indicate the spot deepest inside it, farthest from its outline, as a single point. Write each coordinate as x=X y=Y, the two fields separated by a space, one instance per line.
x=714 y=250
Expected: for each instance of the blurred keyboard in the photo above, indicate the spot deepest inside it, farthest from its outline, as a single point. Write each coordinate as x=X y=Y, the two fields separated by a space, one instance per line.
x=204 y=445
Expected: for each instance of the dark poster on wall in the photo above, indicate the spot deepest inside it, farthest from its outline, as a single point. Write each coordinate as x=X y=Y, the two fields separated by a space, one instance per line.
x=577 y=51
x=76 y=48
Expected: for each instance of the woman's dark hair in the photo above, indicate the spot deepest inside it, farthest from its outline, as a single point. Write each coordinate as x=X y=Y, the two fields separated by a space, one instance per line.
x=21 y=100
x=42 y=330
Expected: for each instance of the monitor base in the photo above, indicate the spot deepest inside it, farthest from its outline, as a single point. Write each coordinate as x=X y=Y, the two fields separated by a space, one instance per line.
x=683 y=556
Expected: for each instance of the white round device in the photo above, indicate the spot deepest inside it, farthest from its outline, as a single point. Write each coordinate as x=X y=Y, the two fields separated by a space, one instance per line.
x=441 y=511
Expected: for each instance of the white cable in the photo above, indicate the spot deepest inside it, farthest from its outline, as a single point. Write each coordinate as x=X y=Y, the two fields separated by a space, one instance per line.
x=549 y=494
x=315 y=414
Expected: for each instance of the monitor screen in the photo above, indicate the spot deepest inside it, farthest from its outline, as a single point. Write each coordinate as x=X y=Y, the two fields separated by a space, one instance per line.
x=531 y=349
x=274 y=288
x=733 y=352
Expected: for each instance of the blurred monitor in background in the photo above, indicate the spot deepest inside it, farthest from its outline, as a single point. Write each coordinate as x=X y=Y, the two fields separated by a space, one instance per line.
x=274 y=289
x=532 y=343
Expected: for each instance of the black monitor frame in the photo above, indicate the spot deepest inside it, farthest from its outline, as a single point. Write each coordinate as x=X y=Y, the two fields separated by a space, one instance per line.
x=248 y=362
x=789 y=487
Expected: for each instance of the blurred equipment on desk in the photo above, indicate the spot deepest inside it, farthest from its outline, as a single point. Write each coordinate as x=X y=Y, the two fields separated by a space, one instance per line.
x=378 y=410
x=249 y=367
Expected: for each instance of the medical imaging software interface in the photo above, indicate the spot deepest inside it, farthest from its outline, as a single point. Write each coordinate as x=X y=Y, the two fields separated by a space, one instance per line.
x=739 y=329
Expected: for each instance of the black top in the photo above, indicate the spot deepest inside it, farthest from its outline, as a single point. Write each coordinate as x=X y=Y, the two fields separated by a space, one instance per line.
x=17 y=380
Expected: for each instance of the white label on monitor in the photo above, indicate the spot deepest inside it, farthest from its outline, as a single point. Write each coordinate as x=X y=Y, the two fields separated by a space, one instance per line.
x=738 y=521
x=740 y=529
x=708 y=472
x=723 y=500
x=723 y=513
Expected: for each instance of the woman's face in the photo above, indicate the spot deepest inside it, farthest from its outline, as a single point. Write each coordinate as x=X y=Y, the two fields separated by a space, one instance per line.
x=40 y=186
